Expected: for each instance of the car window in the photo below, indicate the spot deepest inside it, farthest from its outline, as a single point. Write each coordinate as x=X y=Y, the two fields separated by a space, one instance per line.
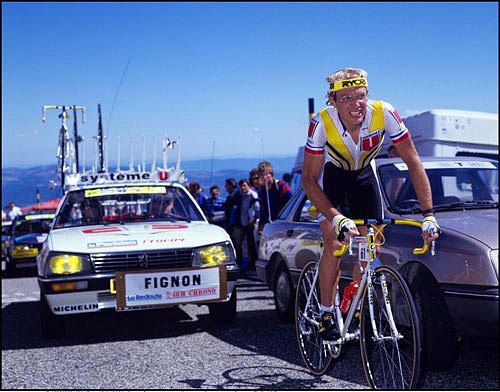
x=303 y=212
x=454 y=184
x=126 y=204
x=290 y=206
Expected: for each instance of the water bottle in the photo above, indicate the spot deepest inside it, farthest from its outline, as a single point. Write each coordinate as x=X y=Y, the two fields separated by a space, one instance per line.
x=349 y=292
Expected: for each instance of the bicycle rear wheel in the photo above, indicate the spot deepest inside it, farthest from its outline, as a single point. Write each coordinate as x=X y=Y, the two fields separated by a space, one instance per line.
x=315 y=355
x=389 y=361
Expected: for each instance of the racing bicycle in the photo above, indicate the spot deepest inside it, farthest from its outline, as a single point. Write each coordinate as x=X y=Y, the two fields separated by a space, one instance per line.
x=67 y=147
x=382 y=315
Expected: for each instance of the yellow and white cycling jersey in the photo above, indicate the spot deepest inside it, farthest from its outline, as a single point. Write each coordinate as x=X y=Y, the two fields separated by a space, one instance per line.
x=327 y=133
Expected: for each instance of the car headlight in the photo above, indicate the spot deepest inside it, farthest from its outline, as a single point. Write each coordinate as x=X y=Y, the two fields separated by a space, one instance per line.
x=22 y=251
x=210 y=256
x=67 y=264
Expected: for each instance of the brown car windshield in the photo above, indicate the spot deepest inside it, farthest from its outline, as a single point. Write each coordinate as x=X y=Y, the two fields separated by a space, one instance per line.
x=454 y=184
x=125 y=204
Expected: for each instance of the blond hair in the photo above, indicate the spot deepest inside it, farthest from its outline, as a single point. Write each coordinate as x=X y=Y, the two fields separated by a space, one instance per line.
x=343 y=74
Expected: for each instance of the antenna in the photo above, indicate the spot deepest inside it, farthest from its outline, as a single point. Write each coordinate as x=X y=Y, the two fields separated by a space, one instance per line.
x=118 y=169
x=116 y=94
x=131 y=163
x=143 y=154
x=153 y=162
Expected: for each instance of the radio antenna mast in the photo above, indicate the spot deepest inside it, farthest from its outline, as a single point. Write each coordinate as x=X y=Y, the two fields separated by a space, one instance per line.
x=116 y=94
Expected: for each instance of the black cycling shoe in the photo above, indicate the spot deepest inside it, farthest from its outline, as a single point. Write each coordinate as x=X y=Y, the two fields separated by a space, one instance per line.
x=328 y=328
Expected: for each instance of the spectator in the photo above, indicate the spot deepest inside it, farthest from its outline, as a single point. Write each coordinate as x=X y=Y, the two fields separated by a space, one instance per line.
x=213 y=206
x=392 y=152
x=197 y=192
x=286 y=177
x=12 y=211
x=272 y=196
x=255 y=179
x=232 y=216
x=256 y=183
x=249 y=214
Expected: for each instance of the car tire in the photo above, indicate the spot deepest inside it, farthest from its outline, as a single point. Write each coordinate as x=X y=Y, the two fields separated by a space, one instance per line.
x=440 y=348
x=284 y=295
x=223 y=313
x=52 y=326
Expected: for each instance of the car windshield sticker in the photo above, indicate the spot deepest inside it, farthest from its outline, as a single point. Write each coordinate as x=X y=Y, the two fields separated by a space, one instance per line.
x=40 y=216
x=111 y=244
x=129 y=190
x=451 y=165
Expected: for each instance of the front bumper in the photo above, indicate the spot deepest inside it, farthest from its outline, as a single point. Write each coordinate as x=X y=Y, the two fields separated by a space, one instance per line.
x=19 y=263
x=93 y=293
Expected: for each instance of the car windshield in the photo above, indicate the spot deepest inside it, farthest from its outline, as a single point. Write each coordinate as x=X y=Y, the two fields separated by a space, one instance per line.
x=39 y=226
x=126 y=204
x=468 y=184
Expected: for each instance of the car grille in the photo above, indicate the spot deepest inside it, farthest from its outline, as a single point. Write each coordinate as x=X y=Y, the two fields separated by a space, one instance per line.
x=111 y=262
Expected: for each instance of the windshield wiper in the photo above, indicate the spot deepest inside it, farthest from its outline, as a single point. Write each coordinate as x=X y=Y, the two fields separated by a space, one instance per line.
x=468 y=204
x=178 y=217
x=405 y=210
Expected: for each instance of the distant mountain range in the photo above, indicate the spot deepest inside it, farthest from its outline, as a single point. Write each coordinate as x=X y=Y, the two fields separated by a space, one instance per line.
x=21 y=184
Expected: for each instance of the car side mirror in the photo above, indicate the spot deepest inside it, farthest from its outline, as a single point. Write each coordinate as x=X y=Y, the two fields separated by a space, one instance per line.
x=313 y=212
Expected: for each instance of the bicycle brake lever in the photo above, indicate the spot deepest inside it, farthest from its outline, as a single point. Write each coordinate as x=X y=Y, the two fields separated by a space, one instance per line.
x=433 y=243
x=350 y=246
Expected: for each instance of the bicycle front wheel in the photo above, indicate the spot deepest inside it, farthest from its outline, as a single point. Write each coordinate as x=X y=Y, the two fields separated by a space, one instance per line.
x=391 y=357
x=315 y=354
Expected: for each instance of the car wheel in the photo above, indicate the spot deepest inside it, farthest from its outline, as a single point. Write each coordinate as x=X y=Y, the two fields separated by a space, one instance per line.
x=284 y=298
x=52 y=326
x=440 y=346
x=223 y=313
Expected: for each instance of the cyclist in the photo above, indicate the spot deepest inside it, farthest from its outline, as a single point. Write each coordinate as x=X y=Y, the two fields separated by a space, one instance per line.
x=339 y=178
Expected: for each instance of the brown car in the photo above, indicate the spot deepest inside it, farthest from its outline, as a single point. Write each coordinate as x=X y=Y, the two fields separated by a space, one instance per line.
x=456 y=290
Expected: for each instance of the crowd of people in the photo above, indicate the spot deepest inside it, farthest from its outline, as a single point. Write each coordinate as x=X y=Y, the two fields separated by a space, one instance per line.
x=250 y=203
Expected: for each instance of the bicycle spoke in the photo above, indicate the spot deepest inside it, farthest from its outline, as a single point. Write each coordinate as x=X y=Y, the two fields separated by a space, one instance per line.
x=391 y=360
x=315 y=354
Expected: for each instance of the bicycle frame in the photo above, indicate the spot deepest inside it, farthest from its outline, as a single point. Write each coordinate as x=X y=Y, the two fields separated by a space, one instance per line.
x=368 y=241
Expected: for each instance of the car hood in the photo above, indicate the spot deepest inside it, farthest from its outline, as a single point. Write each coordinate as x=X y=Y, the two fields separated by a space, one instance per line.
x=32 y=238
x=136 y=237
x=479 y=224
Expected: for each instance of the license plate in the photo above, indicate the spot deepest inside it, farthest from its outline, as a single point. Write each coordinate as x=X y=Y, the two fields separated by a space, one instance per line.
x=24 y=253
x=140 y=289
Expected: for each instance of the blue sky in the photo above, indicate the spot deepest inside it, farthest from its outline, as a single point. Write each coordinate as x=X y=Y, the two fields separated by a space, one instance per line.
x=239 y=74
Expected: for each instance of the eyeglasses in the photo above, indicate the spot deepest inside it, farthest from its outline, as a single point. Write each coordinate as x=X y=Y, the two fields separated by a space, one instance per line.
x=353 y=98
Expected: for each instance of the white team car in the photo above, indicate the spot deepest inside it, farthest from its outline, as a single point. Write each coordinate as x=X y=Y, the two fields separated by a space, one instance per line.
x=132 y=241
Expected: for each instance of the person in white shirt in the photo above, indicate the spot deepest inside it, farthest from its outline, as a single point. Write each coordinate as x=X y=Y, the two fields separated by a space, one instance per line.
x=13 y=211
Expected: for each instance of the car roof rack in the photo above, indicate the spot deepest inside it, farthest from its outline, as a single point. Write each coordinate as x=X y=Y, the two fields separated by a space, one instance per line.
x=133 y=174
